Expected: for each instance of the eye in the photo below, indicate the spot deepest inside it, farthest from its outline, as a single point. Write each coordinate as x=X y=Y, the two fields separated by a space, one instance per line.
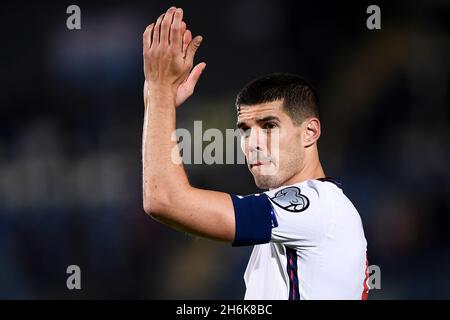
x=245 y=132
x=270 y=126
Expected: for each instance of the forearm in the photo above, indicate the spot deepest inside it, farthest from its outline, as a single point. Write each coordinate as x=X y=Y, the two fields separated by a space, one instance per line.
x=168 y=59
x=163 y=171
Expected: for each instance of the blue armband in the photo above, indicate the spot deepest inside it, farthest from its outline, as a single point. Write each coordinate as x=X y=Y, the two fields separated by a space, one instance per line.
x=254 y=219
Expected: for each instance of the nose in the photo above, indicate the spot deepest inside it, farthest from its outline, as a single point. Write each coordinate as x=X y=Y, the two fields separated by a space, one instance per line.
x=256 y=140
x=254 y=149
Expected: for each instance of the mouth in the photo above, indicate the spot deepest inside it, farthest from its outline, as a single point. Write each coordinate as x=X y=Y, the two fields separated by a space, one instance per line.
x=257 y=164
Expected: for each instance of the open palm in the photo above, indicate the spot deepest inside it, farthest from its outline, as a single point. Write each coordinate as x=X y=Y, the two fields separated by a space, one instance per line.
x=186 y=88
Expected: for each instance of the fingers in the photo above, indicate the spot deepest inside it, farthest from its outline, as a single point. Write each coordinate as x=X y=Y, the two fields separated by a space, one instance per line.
x=157 y=29
x=176 y=32
x=165 y=26
x=147 y=37
x=187 y=37
x=171 y=29
x=183 y=27
x=183 y=30
x=192 y=49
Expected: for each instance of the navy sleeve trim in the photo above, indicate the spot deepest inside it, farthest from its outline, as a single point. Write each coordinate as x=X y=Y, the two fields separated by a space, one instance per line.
x=254 y=219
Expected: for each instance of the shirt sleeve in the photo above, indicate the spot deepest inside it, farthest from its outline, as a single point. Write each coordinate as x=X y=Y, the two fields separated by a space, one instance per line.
x=302 y=213
x=294 y=215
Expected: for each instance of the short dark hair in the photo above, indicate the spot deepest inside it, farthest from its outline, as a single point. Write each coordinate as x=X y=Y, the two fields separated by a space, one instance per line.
x=300 y=99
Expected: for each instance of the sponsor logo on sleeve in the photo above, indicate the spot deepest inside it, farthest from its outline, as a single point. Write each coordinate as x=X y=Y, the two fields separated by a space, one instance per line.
x=291 y=199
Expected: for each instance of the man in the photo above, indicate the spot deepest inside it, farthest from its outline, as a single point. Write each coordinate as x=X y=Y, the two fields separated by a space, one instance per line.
x=308 y=237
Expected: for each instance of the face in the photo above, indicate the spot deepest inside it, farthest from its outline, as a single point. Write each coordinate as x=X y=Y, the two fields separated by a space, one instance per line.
x=272 y=143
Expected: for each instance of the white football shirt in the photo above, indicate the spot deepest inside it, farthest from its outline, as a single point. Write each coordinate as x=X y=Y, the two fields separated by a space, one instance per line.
x=310 y=243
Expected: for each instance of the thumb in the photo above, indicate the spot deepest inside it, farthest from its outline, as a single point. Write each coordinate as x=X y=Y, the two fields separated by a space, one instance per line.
x=195 y=75
x=192 y=48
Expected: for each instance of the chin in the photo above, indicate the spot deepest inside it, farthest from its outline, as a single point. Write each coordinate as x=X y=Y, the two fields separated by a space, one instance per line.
x=266 y=182
x=266 y=177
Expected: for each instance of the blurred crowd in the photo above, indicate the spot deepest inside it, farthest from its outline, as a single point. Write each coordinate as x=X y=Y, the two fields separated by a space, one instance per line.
x=71 y=115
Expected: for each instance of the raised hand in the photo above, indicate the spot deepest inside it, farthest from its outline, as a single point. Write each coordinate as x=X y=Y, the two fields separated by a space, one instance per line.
x=169 y=51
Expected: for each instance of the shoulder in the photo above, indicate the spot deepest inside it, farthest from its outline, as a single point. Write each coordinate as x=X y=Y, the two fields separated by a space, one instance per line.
x=300 y=196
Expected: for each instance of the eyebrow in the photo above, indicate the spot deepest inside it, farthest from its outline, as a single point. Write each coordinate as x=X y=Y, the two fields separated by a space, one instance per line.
x=241 y=124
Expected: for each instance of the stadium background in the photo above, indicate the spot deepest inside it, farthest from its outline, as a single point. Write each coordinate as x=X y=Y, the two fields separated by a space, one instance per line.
x=70 y=140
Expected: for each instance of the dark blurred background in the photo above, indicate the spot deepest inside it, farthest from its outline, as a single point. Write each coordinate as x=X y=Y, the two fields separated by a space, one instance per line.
x=70 y=140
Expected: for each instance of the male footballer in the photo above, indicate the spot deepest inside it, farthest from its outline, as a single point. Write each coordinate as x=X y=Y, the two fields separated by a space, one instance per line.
x=308 y=237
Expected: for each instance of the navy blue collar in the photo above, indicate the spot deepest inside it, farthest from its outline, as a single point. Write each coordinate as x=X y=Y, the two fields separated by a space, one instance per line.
x=339 y=184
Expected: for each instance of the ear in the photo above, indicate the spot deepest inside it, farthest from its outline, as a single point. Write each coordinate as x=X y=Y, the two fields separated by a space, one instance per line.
x=312 y=131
